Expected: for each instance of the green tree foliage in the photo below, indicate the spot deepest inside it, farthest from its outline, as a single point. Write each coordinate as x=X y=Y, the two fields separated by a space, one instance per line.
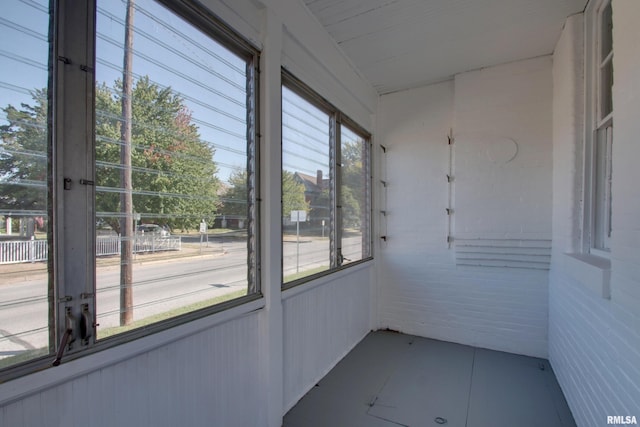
x=235 y=199
x=353 y=184
x=23 y=156
x=292 y=195
x=234 y=202
x=173 y=172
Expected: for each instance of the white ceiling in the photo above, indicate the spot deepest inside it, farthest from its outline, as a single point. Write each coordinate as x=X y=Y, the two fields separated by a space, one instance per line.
x=399 y=44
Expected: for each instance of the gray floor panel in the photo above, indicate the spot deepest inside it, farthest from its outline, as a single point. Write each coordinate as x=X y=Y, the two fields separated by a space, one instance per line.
x=345 y=393
x=392 y=380
x=431 y=381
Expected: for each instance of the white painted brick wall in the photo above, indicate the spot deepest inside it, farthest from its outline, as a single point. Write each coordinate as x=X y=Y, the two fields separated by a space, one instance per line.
x=568 y=129
x=422 y=291
x=594 y=343
x=498 y=109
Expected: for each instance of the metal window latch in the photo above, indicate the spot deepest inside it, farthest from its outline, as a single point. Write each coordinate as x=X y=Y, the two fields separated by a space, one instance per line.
x=86 y=324
x=67 y=337
x=342 y=259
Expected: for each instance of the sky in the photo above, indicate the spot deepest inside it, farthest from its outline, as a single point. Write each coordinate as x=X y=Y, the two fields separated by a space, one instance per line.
x=173 y=53
x=210 y=78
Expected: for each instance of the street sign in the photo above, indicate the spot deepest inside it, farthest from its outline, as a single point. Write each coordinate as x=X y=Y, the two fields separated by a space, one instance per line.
x=203 y=227
x=298 y=216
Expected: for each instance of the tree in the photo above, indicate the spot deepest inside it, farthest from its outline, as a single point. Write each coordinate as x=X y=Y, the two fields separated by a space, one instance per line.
x=173 y=172
x=23 y=156
x=351 y=212
x=236 y=198
x=353 y=184
x=292 y=195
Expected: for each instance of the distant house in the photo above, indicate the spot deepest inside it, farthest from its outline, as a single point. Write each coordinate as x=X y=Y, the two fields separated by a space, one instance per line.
x=316 y=194
x=313 y=185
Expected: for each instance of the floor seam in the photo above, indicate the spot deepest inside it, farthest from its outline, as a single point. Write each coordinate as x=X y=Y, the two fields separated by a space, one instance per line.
x=473 y=365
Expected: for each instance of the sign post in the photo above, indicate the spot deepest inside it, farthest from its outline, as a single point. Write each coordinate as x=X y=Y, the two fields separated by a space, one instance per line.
x=203 y=230
x=298 y=216
x=136 y=218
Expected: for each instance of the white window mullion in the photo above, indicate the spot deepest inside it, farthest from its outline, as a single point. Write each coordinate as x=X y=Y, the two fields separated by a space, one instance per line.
x=337 y=257
x=73 y=176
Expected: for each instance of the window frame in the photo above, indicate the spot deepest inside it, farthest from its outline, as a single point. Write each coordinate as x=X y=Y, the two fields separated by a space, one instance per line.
x=337 y=120
x=598 y=136
x=71 y=147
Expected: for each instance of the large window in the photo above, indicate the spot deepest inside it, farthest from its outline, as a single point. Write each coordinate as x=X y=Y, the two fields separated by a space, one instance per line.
x=153 y=223
x=355 y=197
x=599 y=123
x=326 y=181
x=24 y=195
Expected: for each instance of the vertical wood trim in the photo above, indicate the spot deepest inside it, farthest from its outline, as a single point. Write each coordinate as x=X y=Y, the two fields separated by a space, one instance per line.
x=271 y=145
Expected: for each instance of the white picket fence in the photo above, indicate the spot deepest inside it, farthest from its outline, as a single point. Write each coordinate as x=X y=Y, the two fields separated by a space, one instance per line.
x=14 y=252
x=23 y=251
x=110 y=245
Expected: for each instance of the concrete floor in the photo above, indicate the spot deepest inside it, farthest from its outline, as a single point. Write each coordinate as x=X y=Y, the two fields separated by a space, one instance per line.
x=392 y=380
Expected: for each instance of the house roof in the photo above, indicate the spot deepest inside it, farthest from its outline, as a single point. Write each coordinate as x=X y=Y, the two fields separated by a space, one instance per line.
x=310 y=182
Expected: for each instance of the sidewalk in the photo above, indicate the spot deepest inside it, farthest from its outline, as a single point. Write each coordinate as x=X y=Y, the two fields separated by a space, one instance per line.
x=12 y=273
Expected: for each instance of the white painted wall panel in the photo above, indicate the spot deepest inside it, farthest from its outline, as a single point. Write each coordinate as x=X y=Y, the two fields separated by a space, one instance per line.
x=321 y=325
x=323 y=57
x=244 y=16
x=423 y=292
x=332 y=85
x=594 y=343
x=209 y=378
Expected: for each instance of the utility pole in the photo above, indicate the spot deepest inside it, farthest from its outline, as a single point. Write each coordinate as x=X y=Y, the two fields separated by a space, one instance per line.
x=126 y=197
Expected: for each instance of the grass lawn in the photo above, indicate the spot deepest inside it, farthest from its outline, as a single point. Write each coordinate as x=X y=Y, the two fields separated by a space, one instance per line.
x=170 y=314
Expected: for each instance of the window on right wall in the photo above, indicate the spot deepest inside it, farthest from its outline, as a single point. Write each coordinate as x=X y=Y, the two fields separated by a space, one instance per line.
x=599 y=127
x=326 y=186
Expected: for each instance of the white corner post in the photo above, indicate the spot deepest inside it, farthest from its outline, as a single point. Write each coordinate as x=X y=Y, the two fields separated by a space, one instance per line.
x=271 y=216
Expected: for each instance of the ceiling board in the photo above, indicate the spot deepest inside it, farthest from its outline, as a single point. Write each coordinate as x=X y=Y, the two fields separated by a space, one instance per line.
x=399 y=44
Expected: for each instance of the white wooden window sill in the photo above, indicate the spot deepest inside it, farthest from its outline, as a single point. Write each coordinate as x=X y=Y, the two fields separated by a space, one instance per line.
x=592 y=271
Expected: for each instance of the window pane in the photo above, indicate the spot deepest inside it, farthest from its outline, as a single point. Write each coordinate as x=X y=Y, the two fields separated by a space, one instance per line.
x=606 y=86
x=306 y=195
x=179 y=241
x=606 y=29
x=354 y=194
x=602 y=206
x=24 y=59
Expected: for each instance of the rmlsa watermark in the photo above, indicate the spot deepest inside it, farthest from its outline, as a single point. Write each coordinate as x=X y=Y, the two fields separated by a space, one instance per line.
x=622 y=419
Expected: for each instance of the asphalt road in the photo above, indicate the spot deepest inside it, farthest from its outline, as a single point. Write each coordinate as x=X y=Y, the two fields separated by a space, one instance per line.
x=159 y=286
